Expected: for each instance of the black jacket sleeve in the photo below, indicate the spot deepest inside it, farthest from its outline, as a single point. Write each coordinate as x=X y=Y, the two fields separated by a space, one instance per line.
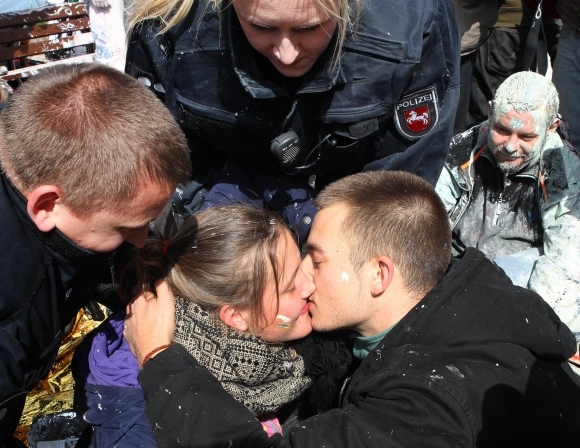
x=437 y=48
x=186 y=406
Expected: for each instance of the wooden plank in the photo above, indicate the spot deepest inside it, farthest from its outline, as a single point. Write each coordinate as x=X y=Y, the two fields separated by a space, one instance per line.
x=33 y=32
x=45 y=46
x=44 y=14
x=33 y=70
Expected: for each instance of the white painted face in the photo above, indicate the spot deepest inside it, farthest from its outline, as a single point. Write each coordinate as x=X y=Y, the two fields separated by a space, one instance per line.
x=516 y=139
x=524 y=112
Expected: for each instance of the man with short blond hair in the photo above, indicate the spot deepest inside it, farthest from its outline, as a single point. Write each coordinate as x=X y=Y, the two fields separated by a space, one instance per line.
x=89 y=157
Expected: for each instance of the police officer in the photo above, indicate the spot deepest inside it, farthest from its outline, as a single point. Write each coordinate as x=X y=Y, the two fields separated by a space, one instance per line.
x=281 y=97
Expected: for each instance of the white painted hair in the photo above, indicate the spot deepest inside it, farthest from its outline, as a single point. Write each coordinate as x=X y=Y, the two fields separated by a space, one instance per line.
x=527 y=92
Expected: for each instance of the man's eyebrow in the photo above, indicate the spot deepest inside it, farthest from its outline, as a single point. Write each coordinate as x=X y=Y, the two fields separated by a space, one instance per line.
x=314 y=248
x=502 y=127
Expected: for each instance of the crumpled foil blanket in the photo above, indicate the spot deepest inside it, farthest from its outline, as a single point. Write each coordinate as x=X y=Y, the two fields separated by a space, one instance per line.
x=55 y=392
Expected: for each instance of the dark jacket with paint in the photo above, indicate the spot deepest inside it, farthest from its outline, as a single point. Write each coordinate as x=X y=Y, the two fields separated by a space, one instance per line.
x=45 y=280
x=231 y=102
x=502 y=215
x=477 y=362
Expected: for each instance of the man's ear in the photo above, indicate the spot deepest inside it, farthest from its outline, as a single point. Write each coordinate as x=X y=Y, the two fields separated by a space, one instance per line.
x=554 y=126
x=41 y=206
x=383 y=270
x=235 y=318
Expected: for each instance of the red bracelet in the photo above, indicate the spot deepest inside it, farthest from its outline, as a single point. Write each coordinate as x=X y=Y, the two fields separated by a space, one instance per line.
x=155 y=350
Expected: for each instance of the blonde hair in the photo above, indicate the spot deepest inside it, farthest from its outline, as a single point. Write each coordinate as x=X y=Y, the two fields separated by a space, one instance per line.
x=170 y=12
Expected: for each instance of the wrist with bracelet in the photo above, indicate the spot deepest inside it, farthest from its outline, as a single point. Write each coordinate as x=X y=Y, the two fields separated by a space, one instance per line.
x=154 y=351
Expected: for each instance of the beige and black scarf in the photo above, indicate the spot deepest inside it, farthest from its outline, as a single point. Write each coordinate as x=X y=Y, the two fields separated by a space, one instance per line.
x=260 y=375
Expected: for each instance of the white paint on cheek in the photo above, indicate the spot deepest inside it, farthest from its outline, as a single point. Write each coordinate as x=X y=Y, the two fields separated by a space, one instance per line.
x=286 y=323
x=344 y=277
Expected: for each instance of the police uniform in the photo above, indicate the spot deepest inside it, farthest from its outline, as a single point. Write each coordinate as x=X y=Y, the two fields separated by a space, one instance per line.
x=388 y=105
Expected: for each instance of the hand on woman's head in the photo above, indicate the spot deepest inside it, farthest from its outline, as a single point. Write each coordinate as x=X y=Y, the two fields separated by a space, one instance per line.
x=150 y=321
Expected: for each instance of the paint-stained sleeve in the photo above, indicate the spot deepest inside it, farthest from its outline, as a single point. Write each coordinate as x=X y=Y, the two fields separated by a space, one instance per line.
x=448 y=189
x=556 y=275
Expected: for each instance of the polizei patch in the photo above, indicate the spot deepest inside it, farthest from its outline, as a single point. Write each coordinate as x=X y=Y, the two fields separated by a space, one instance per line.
x=417 y=114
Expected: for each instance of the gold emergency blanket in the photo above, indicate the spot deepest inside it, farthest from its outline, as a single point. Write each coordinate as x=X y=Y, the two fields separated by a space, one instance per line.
x=55 y=392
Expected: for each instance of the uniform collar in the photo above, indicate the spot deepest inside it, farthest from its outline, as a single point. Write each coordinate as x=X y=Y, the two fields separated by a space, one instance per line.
x=318 y=79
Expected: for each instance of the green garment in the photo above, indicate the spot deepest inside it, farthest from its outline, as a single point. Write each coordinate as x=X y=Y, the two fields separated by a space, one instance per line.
x=363 y=346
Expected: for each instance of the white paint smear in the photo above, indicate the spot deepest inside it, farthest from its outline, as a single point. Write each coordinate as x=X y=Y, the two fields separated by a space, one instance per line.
x=344 y=277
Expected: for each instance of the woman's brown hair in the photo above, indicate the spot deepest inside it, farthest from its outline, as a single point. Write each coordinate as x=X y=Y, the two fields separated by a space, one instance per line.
x=222 y=255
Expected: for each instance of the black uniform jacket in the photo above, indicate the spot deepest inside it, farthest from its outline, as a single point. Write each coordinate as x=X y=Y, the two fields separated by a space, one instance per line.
x=477 y=362
x=45 y=279
x=389 y=104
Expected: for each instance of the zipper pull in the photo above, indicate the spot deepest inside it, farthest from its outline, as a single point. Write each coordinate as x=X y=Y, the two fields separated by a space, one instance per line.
x=343 y=390
x=498 y=208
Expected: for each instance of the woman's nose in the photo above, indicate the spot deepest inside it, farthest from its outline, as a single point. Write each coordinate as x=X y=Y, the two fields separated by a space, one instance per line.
x=305 y=279
x=286 y=51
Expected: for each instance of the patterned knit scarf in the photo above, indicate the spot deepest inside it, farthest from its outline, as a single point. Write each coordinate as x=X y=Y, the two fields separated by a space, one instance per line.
x=261 y=376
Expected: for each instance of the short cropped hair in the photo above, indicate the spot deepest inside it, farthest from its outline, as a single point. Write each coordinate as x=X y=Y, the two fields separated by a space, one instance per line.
x=396 y=214
x=92 y=131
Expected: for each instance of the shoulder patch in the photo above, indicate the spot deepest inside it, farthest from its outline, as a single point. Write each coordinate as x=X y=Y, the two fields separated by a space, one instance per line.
x=416 y=114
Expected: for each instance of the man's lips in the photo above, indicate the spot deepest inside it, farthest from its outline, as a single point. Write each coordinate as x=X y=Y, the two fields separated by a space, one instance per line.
x=510 y=156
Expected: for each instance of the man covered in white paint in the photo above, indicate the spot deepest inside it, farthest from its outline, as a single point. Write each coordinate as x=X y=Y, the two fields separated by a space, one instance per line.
x=511 y=188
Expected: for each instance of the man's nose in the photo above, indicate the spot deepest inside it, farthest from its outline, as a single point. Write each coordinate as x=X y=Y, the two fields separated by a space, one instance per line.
x=286 y=51
x=139 y=236
x=305 y=279
x=514 y=142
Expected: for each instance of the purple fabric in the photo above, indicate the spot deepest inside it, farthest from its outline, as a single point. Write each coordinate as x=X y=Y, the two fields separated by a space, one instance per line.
x=110 y=360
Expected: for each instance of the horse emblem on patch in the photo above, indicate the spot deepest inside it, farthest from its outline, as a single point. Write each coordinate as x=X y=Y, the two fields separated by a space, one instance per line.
x=417 y=114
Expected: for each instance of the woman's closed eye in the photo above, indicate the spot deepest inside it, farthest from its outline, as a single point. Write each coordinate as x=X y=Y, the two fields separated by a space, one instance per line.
x=307 y=29
x=257 y=27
